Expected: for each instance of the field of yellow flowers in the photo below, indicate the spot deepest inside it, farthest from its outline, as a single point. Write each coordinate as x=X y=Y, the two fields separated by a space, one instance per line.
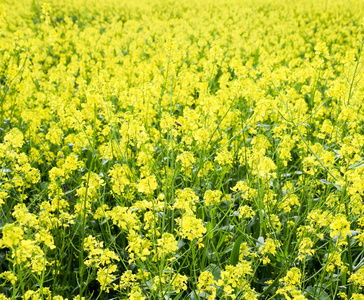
x=195 y=150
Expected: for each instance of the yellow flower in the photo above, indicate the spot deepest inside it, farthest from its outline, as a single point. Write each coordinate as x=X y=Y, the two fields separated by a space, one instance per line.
x=166 y=244
x=147 y=185
x=305 y=248
x=124 y=218
x=191 y=228
x=233 y=278
x=179 y=282
x=340 y=227
x=138 y=247
x=293 y=277
x=246 y=212
x=9 y=276
x=105 y=277
x=187 y=160
x=136 y=294
x=358 y=277
x=268 y=247
x=186 y=200
x=205 y=280
x=127 y=279
x=12 y=235
x=14 y=138
x=3 y=196
x=212 y=197
x=224 y=158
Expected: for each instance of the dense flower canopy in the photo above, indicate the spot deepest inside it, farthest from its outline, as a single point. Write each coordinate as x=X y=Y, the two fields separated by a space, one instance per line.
x=181 y=149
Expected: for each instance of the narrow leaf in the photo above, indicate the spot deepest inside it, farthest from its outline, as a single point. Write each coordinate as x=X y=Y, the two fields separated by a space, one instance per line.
x=234 y=258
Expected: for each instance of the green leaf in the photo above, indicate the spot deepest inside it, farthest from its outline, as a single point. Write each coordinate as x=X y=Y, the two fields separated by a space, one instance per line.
x=215 y=270
x=234 y=258
x=317 y=292
x=209 y=229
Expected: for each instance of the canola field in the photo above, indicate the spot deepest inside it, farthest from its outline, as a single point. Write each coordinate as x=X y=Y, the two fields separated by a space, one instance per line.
x=207 y=149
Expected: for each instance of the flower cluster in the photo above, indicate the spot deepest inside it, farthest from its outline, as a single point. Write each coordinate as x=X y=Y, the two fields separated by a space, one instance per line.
x=181 y=149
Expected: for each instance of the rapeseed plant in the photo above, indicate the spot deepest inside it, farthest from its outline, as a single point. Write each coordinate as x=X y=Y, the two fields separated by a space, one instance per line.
x=181 y=150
